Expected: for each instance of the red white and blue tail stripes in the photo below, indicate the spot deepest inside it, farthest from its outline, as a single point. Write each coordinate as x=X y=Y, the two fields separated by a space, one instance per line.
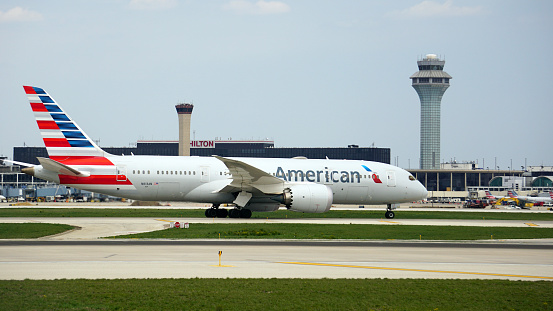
x=68 y=144
x=62 y=136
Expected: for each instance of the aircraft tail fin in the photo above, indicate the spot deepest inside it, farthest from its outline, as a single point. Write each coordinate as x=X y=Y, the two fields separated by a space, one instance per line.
x=62 y=136
x=489 y=195
x=512 y=193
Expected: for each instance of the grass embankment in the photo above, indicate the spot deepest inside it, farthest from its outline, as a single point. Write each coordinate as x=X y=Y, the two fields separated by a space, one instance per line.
x=275 y=294
x=281 y=214
x=352 y=231
x=31 y=230
x=299 y=231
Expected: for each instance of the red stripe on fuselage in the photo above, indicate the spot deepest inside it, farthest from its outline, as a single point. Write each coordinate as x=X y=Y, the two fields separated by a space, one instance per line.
x=47 y=125
x=29 y=90
x=94 y=180
x=82 y=160
x=56 y=142
x=38 y=107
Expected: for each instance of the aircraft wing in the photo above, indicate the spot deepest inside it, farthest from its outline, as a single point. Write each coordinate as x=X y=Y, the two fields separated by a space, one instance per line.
x=246 y=177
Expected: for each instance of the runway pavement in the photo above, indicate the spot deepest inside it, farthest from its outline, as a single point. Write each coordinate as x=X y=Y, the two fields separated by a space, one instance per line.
x=247 y=259
x=80 y=254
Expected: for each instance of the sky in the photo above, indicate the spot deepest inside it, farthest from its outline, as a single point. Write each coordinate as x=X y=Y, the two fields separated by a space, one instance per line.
x=301 y=73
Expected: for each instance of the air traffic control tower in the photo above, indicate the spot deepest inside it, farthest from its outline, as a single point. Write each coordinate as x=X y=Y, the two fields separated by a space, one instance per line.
x=185 y=115
x=430 y=82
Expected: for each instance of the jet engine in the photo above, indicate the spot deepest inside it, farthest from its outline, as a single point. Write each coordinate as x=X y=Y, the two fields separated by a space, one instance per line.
x=306 y=198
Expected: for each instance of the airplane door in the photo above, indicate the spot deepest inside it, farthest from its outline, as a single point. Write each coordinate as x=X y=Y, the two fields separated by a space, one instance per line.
x=205 y=174
x=121 y=173
x=391 y=178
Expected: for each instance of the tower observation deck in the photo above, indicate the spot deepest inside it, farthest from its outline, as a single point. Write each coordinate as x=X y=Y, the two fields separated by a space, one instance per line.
x=430 y=82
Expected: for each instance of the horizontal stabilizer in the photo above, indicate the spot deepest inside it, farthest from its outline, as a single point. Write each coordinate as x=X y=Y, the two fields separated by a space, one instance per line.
x=59 y=168
x=20 y=163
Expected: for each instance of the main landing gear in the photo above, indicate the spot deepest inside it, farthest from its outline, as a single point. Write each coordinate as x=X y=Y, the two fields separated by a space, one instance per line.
x=216 y=212
x=389 y=213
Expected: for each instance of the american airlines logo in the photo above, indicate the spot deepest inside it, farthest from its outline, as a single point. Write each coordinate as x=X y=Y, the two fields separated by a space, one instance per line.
x=202 y=144
x=326 y=176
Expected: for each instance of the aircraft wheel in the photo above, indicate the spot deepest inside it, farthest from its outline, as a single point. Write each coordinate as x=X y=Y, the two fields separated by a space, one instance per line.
x=390 y=214
x=211 y=213
x=234 y=213
x=245 y=213
x=222 y=213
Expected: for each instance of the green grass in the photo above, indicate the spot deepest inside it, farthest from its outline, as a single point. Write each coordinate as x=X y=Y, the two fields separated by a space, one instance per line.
x=352 y=231
x=275 y=294
x=282 y=214
x=31 y=230
x=300 y=231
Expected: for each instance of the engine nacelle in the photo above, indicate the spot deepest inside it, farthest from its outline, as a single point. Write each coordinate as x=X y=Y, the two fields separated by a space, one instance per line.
x=307 y=198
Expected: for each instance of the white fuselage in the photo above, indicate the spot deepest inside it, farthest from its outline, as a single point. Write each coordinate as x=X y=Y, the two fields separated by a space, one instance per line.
x=199 y=179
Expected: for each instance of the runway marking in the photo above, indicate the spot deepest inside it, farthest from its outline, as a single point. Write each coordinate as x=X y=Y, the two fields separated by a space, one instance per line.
x=163 y=220
x=417 y=270
x=531 y=224
x=390 y=222
x=222 y=266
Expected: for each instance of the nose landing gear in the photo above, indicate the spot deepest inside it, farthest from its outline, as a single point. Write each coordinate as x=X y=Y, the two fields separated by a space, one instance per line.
x=389 y=213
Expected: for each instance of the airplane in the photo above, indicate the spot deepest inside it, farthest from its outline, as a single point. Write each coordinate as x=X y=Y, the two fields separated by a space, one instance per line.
x=250 y=184
x=513 y=194
x=2 y=198
x=490 y=196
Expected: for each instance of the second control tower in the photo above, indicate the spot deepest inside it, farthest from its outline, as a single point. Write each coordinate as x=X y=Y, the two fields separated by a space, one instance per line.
x=185 y=114
x=430 y=82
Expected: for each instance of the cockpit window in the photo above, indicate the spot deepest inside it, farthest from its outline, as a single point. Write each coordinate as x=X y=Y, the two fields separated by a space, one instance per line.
x=412 y=178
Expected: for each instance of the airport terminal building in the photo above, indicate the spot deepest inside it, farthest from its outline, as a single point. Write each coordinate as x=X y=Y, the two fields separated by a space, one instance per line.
x=227 y=148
